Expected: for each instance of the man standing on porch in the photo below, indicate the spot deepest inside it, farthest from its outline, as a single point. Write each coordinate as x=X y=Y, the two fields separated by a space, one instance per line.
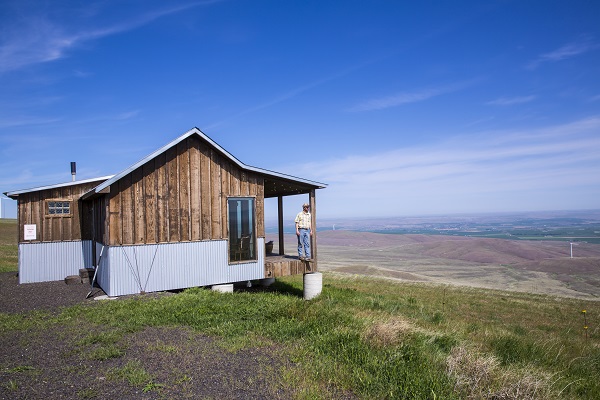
x=304 y=231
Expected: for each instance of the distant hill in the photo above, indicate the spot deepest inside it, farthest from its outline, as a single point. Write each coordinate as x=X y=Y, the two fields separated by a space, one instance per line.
x=523 y=265
x=568 y=226
x=580 y=226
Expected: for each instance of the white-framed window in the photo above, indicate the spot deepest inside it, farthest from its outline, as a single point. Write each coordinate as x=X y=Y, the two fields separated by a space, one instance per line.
x=242 y=222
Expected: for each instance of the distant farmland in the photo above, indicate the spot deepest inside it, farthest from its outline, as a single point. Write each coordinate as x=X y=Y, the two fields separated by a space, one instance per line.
x=541 y=266
x=570 y=226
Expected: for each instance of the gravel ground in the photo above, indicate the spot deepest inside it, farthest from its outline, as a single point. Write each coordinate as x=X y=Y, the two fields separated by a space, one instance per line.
x=168 y=363
x=49 y=296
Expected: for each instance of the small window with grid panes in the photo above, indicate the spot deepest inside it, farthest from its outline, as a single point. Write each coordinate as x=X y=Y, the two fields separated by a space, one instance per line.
x=58 y=208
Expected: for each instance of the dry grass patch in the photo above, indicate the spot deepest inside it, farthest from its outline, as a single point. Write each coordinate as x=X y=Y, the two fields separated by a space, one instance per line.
x=389 y=332
x=481 y=377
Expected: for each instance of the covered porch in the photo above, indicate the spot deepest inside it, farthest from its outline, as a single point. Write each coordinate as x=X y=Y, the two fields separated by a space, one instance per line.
x=279 y=264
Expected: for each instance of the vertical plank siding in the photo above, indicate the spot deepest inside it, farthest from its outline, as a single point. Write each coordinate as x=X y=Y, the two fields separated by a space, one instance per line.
x=180 y=196
x=195 y=186
x=127 y=210
x=260 y=207
x=161 y=193
x=183 y=156
x=225 y=183
x=53 y=225
x=66 y=229
x=138 y=205
x=205 y=198
x=172 y=196
x=32 y=211
x=149 y=190
x=114 y=213
x=215 y=195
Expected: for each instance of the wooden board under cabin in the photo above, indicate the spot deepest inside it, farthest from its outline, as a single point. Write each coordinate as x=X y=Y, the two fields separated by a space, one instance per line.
x=277 y=266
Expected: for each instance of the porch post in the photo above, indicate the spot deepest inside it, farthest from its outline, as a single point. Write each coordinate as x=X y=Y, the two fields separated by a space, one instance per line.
x=313 y=210
x=280 y=224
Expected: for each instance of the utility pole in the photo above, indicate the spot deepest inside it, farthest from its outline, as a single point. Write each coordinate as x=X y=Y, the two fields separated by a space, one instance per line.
x=571 y=249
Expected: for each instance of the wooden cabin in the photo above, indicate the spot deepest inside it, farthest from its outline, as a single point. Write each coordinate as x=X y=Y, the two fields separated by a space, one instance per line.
x=189 y=214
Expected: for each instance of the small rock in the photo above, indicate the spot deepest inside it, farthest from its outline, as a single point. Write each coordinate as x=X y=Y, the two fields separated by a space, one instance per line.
x=73 y=279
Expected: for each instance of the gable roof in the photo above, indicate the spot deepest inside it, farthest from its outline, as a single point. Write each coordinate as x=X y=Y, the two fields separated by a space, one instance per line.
x=276 y=184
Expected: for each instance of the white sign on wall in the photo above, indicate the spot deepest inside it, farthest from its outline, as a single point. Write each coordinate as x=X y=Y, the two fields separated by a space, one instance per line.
x=30 y=232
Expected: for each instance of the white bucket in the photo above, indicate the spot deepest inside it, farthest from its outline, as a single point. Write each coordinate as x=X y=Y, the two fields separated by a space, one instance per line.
x=313 y=285
x=227 y=288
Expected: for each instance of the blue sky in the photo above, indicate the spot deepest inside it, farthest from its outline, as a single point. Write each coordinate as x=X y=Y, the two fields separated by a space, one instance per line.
x=403 y=108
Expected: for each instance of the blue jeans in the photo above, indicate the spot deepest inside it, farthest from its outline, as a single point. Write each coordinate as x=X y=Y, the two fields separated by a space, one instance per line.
x=304 y=240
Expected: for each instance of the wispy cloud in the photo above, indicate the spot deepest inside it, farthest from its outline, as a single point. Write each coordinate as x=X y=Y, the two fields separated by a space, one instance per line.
x=480 y=172
x=27 y=179
x=399 y=99
x=509 y=101
x=127 y=115
x=12 y=122
x=569 y=50
x=276 y=100
x=38 y=39
x=293 y=93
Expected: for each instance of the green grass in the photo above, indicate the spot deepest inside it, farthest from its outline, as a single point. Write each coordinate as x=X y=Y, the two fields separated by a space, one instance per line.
x=375 y=338
x=134 y=373
x=380 y=339
x=372 y=337
x=8 y=245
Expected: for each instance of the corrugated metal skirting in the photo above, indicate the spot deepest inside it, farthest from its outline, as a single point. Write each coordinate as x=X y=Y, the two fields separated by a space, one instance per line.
x=53 y=261
x=167 y=266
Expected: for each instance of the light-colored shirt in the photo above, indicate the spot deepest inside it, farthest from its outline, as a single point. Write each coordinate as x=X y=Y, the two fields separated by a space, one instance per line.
x=303 y=220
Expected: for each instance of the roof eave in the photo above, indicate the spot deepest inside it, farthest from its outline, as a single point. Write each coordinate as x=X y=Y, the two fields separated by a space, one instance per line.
x=15 y=193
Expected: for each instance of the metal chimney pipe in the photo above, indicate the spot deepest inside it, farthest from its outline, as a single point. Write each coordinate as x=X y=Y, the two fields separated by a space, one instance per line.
x=73 y=170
